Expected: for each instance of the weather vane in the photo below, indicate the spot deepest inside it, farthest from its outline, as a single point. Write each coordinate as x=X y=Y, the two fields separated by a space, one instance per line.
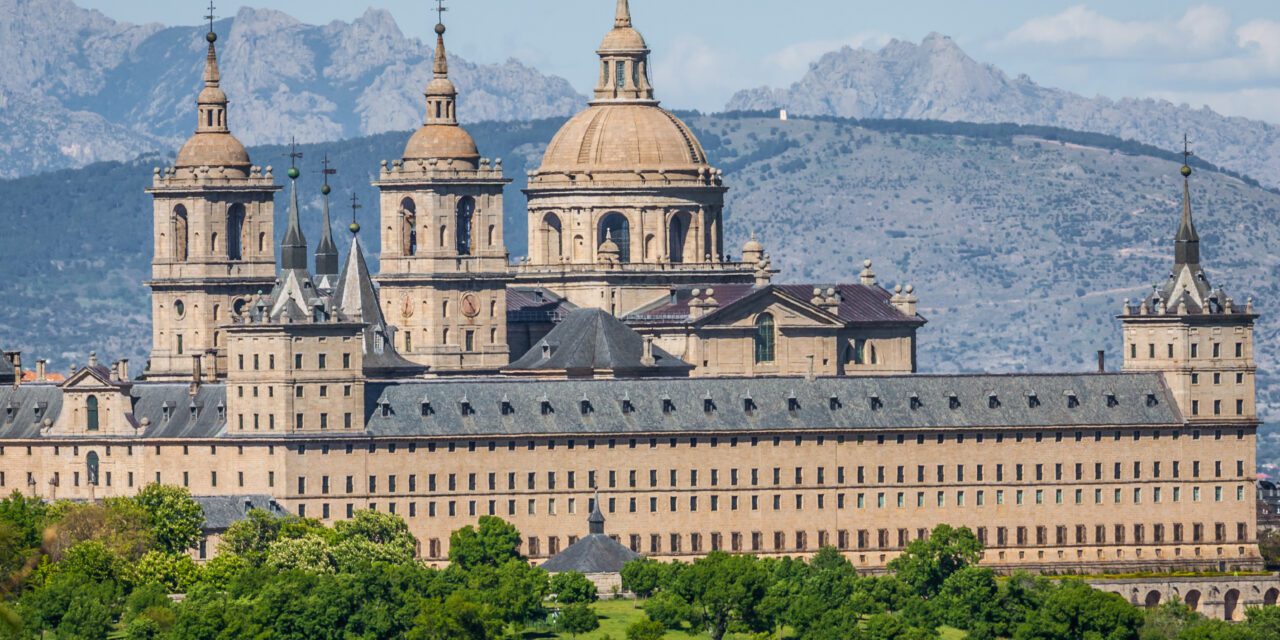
x=355 y=204
x=1186 y=150
x=440 y=9
x=326 y=171
x=210 y=17
x=293 y=154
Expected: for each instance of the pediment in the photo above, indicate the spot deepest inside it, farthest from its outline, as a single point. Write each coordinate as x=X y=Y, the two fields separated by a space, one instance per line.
x=90 y=379
x=787 y=311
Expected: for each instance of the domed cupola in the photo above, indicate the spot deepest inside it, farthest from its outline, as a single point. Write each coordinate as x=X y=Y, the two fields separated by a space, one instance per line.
x=213 y=145
x=440 y=137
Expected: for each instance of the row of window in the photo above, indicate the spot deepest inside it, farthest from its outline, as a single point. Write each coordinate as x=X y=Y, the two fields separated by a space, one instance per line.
x=446 y=338
x=256 y=362
x=1194 y=350
x=1217 y=407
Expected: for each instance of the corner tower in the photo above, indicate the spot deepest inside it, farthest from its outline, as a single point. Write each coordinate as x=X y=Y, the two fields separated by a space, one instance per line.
x=625 y=204
x=1195 y=334
x=213 y=234
x=444 y=263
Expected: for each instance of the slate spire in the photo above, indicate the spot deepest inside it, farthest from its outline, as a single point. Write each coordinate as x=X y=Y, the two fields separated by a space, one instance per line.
x=326 y=250
x=293 y=249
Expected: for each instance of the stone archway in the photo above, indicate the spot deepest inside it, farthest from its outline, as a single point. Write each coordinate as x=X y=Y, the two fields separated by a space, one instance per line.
x=1192 y=600
x=1269 y=598
x=1152 y=600
x=1231 y=609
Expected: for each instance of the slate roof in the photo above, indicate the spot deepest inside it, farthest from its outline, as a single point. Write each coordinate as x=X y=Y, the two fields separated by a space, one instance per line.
x=23 y=408
x=592 y=340
x=536 y=304
x=355 y=300
x=167 y=409
x=860 y=304
x=596 y=553
x=510 y=407
x=6 y=370
x=220 y=512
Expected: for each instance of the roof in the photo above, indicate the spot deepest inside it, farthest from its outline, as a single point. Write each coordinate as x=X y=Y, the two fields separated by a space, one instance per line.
x=596 y=553
x=6 y=370
x=859 y=304
x=220 y=512
x=355 y=299
x=592 y=340
x=536 y=304
x=707 y=406
x=622 y=138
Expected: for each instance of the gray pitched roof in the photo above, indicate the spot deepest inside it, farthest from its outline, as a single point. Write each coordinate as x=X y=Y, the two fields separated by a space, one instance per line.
x=7 y=373
x=170 y=411
x=355 y=300
x=536 y=304
x=859 y=304
x=220 y=512
x=23 y=408
x=596 y=553
x=702 y=406
x=592 y=340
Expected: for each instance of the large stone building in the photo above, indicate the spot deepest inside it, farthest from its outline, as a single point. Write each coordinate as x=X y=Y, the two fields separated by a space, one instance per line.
x=627 y=365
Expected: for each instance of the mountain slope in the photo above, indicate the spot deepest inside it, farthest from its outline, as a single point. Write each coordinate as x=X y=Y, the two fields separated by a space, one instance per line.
x=937 y=80
x=77 y=87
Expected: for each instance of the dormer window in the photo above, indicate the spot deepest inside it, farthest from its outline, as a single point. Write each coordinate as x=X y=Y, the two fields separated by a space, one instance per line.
x=465 y=408
x=915 y=402
x=748 y=405
x=1073 y=400
x=9 y=412
x=1152 y=400
x=793 y=403
x=708 y=404
x=222 y=411
x=953 y=401
x=427 y=409
x=834 y=403
x=505 y=407
x=40 y=408
x=993 y=401
x=544 y=406
x=1112 y=400
x=874 y=402
x=668 y=406
x=166 y=409
x=627 y=406
x=1033 y=400
x=195 y=411
x=584 y=405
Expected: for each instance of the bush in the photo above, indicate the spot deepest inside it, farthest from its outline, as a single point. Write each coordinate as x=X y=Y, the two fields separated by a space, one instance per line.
x=571 y=587
x=577 y=618
x=668 y=610
x=646 y=630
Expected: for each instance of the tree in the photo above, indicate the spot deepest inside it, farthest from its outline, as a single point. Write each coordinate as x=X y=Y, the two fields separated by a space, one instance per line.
x=1076 y=610
x=967 y=597
x=492 y=544
x=121 y=525
x=571 y=587
x=725 y=591
x=927 y=563
x=174 y=517
x=454 y=618
x=252 y=535
x=173 y=571
x=577 y=618
x=646 y=630
x=515 y=590
x=668 y=609
x=310 y=553
x=641 y=576
x=1263 y=622
x=27 y=515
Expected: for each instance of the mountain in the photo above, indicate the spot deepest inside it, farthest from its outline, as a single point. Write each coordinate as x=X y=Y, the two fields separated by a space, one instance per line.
x=78 y=87
x=937 y=80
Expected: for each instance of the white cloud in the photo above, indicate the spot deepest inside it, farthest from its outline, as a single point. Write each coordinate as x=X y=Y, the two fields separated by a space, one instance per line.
x=792 y=61
x=1082 y=32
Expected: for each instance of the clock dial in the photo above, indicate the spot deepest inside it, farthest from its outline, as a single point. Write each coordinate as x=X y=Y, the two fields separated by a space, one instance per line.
x=470 y=305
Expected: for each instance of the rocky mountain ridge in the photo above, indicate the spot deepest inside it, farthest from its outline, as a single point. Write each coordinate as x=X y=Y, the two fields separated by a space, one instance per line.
x=937 y=80
x=78 y=87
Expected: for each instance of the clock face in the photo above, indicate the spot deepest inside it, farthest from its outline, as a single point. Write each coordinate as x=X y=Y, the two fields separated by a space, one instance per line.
x=470 y=305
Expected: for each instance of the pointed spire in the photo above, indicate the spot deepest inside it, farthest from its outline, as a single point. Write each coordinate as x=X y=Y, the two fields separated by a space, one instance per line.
x=441 y=94
x=293 y=249
x=1186 y=246
x=356 y=300
x=622 y=17
x=326 y=250
x=212 y=102
x=595 y=521
x=441 y=66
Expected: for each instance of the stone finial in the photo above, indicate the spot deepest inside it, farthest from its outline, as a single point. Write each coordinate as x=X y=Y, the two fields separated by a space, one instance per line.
x=764 y=271
x=93 y=358
x=867 y=277
x=1248 y=305
x=1128 y=308
x=904 y=299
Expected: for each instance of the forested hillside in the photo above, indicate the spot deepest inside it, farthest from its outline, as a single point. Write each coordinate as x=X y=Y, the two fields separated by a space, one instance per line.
x=1022 y=243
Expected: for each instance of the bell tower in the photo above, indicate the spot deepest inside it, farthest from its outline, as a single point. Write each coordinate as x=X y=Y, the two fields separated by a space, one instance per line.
x=213 y=235
x=1195 y=334
x=444 y=263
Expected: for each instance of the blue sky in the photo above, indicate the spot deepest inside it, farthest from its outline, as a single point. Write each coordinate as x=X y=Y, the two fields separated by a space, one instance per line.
x=1225 y=54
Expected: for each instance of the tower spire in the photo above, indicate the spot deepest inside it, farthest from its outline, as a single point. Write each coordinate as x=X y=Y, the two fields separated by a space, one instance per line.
x=293 y=249
x=1186 y=245
x=326 y=250
x=441 y=95
x=622 y=17
x=212 y=102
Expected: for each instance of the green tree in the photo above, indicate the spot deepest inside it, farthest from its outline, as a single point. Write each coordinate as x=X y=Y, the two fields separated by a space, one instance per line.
x=577 y=618
x=516 y=591
x=173 y=571
x=884 y=626
x=455 y=618
x=492 y=543
x=309 y=553
x=641 y=576
x=252 y=535
x=927 y=563
x=27 y=515
x=1076 y=610
x=1167 y=621
x=968 y=597
x=1263 y=622
x=725 y=591
x=668 y=609
x=174 y=517
x=571 y=586
x=118 y=523
x=646 y=630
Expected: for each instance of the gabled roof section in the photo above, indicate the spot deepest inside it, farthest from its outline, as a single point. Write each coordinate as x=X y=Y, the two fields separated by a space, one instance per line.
x=220 y=512
x=592 y=341
x=97 y=374
x=859 y=304
x=536 y=304
x=356 y=300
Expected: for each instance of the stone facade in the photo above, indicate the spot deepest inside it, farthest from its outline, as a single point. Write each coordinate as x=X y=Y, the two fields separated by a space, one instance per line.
x=1223 y=598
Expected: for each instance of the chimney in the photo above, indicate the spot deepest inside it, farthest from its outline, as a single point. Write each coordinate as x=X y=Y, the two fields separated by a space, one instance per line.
x=195 y=373
x=15 y=359
x=211 y=371
x=124 y=369
x=647 y=359
x=1102 y=361
x=40 y=374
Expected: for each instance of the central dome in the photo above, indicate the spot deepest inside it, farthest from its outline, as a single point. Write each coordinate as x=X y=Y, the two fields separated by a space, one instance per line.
x=623 y=138
x=217 y=149
x=444 y=142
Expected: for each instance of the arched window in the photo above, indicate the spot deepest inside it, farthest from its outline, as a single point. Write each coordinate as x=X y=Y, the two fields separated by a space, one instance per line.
x=466 y=208
x=857 y=352
x=676 y=237
x=765 y=338
x=91 y=413
x=408 y=232
x=179 y=222
x=235 y=232
x=91 y=462
x=555 y=237
x=616 y=226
